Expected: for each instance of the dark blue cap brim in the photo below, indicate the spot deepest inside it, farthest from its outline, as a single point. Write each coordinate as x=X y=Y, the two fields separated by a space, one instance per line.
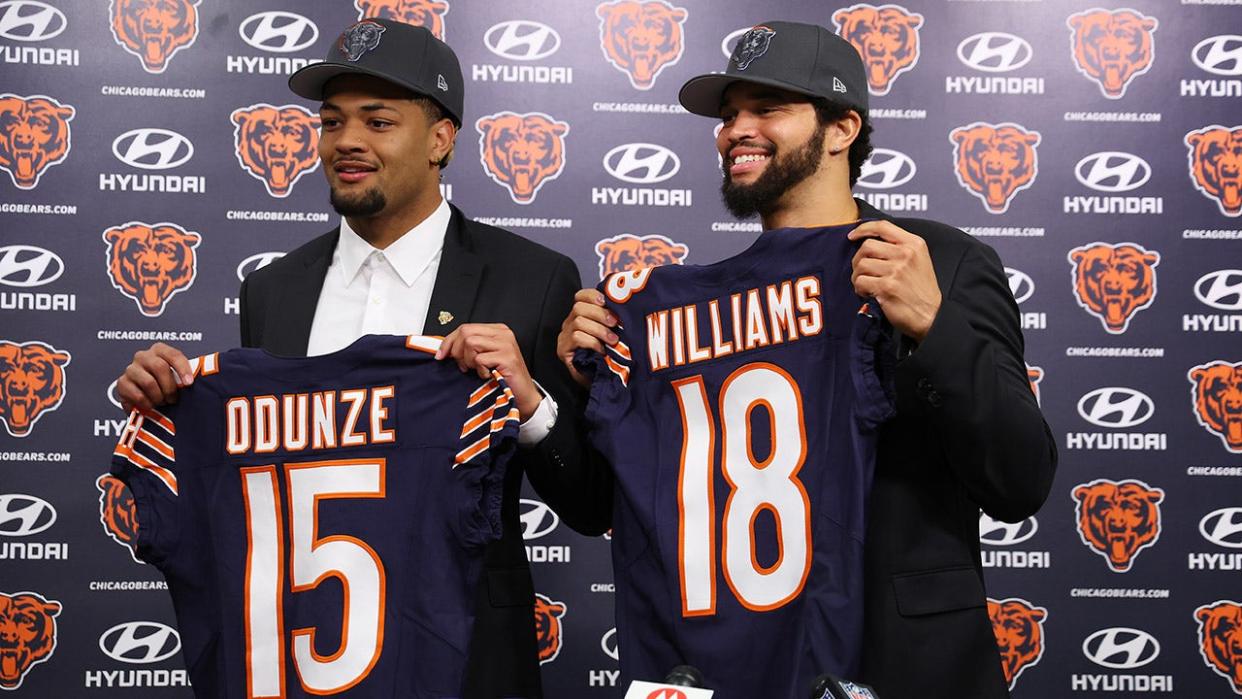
x=703 y=94
x=310 y=81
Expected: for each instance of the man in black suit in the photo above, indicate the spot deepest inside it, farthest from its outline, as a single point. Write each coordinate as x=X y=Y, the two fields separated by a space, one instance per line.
x=404 y=261
x=968 y=434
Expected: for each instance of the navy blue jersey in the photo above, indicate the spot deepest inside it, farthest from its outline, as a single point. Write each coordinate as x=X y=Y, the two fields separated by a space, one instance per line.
x=739 y=412
x=321 y=521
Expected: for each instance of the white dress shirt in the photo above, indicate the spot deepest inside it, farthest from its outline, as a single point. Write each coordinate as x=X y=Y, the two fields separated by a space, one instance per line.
x=368 y=291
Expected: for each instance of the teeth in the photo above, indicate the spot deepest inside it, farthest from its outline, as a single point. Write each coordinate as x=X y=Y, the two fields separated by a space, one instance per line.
x=749 y=158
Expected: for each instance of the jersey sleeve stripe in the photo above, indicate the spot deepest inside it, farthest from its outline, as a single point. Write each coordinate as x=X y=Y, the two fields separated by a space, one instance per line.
x=155 y=443
x=160 y=419
x=475 y=422
x=473 y=450
x=138 y=460
x=482 y=392
x=622 y=350
x=622 y=372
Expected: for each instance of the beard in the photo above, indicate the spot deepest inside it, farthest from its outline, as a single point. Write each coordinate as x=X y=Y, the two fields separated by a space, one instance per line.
x=782 y=173
x=367 y=203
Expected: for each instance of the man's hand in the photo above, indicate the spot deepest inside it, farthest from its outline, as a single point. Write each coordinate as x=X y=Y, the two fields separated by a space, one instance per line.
x=893 y=267
x=154 y=378
x=587 y=327
x=483 y=347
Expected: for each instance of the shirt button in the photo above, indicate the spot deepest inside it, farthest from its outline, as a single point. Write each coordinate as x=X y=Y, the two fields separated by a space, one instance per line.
x=549 y=425
x=376 y=300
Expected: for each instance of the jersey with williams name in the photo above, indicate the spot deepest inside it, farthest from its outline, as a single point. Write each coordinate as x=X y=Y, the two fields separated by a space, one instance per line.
x=321 y=521
x=739 y=412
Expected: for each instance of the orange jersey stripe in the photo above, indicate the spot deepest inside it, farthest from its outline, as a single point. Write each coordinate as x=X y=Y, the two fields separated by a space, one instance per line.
x=161 y=420
x=473 y=450
x=155 y=443
x=146 y=464
x=476 y=422
x=482 y=392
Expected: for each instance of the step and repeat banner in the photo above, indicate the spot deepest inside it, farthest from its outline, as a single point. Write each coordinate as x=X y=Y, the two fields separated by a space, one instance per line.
x=152 y=156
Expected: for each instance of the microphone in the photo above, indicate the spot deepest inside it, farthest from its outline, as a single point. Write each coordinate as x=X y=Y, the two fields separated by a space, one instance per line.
x=682 y=682
x=829 y=687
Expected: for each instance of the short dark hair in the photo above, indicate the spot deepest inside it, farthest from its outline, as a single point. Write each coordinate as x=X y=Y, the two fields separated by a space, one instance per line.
x=435 y=113
x=826 y=113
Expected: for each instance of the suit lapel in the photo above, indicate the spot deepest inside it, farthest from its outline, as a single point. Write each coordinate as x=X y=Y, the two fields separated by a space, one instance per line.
x=457 y=281
x=291 y=318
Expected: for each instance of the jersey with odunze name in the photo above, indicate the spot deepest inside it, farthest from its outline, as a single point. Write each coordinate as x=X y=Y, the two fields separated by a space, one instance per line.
x=321 y=521
x=739 y=413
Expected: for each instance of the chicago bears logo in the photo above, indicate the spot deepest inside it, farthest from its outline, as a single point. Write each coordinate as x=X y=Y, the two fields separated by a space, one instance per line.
x=548 y=633
x=641 y=39
x=34 y=135
x=753 y=44
x=1216 y=165
x=1118 y=519
x=995 y=161
x=27 y=634
x=887 y=38
x=1112 y=47
x=626 y=253
x=1217 y=395
x=522 y=152
x=32 y=383
x=1220 y=639
x=154 y=30
x=360 y=38
x=117 y=512
x=1034 y=374
x=151 y=262
x=420 y=13
x=1113 y=282
x=1019 y=629
x=276 y=145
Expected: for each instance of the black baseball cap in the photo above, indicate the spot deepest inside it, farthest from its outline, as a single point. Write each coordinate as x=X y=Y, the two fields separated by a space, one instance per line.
x=400 y=53
x=803 y=58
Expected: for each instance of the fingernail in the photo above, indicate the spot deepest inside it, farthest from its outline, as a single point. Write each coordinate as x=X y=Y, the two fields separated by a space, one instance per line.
x=599 y=299
x=612 y=339
x=187 y=379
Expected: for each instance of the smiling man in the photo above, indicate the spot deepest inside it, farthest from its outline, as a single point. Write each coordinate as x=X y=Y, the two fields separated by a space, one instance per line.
x=967 y=435
x=404 y=261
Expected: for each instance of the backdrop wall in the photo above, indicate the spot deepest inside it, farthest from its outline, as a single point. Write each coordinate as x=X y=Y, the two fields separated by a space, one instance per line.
x=1097 y=149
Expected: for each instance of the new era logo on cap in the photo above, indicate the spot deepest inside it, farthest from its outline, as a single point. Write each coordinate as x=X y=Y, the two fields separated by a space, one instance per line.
x=441 y=83
x=837 y=85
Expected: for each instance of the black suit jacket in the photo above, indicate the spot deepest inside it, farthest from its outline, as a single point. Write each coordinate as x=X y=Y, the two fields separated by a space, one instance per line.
x=486 y=275
x=968 y=435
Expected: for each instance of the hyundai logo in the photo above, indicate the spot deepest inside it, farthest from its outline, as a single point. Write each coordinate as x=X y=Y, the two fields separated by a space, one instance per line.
x=113 y=398
x=140 y=642
x=1223 y=527
x=1121 y=648
x=1112 y=171
x=27 y=265
x=537 y=519
x=886 y=169
x=609 y=644
x=998 y=533
x=1020 y=284
x=641 y=163
x=1219 y=55
x=255 y=262
x=994 y=52
x=30 y=20
x=522 y=40
x=278 y=32
x=729 y=43
x=23 y=515
x=1220 y=289
x=152 y=149
x=1116 y=407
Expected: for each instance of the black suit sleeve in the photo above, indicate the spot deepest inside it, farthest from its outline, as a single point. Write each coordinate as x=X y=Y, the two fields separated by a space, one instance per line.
x=244 y=315
x=572 y=478
x=968 y=382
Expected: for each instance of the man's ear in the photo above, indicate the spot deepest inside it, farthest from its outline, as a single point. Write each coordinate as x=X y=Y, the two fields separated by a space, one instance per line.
x=843 y=132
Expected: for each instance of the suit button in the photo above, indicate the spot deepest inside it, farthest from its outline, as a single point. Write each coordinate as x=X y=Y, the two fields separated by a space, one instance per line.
x=924 y=385
x=933 y=397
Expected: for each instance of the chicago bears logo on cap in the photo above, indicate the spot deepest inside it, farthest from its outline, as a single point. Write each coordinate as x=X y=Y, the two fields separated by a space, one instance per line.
x=1114 y=282
x=1220 y=639
x=32 y=383
x=360 y=38
x=887 y=38
x=548 y=633
x=28 y=628
x=753 y=44
x=276 y=145
x=117 y=513
x=1112 y=47
x=641 y=39
x=522 y=152
x=420 y=13
x=150 y=262
x=1118 y=519
x=1217 y=393
x=1019 y=629
x=154 y=30
x=1216 y=165
x=34 y=135
x=626 y=253
x=995 y=161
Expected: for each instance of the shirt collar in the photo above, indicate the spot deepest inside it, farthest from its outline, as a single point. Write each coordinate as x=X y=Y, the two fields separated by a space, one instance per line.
x=408 y=256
